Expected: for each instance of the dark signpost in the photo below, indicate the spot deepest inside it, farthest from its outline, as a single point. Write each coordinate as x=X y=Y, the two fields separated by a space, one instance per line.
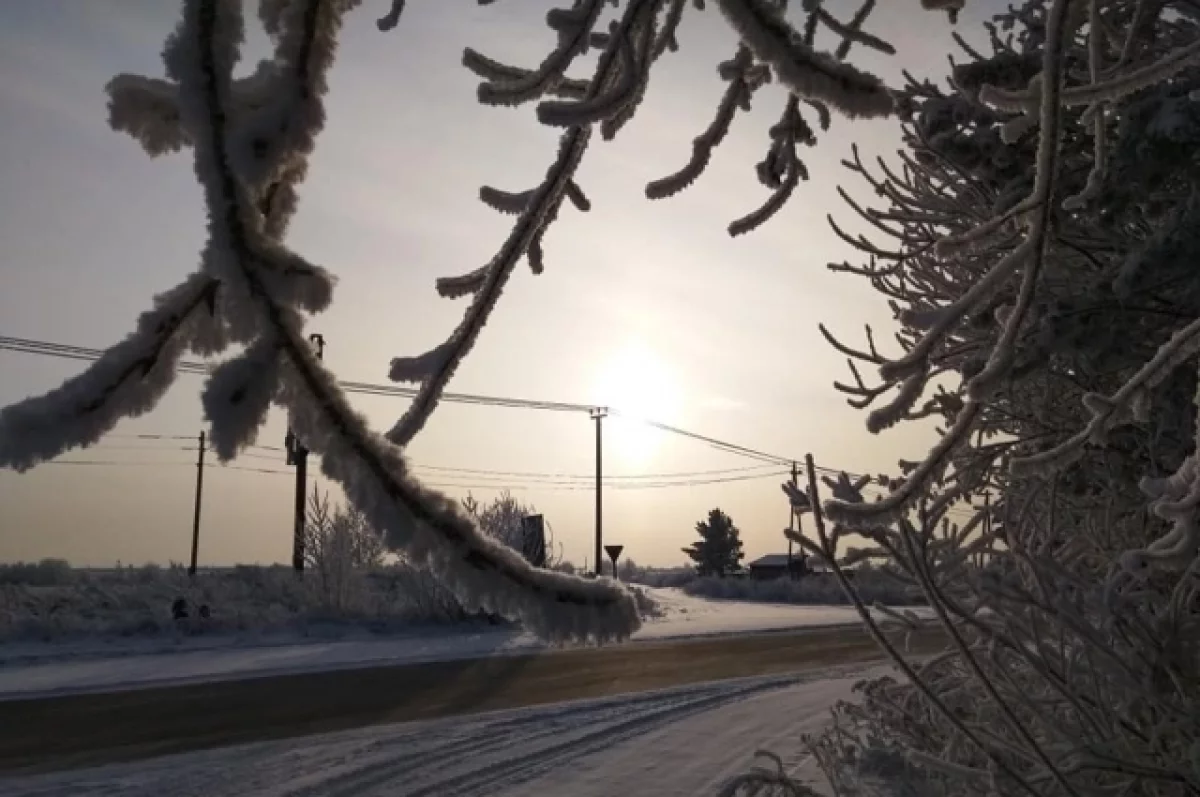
x=533 y=540
x=614 y=552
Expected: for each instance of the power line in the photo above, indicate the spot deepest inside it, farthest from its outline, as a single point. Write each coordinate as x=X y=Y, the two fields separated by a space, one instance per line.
x=484 y=472
x=730 y=447
x=249 y=469
x=588 y=476
x=487 y=473
x=579 y=485
x=493 y=480
x=469 y=481
x=487 y=479
x=109 y=462
x=151 y=449
x=255 y=455
x=49 y=349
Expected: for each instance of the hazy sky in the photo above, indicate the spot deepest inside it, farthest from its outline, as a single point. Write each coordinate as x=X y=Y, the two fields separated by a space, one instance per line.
x=645 y=304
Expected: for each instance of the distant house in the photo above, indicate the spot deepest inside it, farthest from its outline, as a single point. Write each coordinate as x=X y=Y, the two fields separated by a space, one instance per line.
x=776 y=565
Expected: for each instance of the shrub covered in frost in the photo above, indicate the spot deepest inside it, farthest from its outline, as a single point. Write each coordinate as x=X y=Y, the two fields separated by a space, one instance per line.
x=137 y=601
x=811 y=590
x=632 y=573
x=1031 y=244
x=47 y=572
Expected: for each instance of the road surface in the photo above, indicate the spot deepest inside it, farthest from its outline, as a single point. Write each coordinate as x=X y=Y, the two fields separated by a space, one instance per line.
x=685 y=741
x=46 y=734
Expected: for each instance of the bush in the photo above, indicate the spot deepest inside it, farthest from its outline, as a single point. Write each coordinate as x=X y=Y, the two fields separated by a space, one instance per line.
x=657 y=577
x=811 y=590
x=340 y=545
x=47 y=572
x=503 y=518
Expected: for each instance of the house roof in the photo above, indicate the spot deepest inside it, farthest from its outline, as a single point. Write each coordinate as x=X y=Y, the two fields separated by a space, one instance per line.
x=773 y=560
x=781 y=560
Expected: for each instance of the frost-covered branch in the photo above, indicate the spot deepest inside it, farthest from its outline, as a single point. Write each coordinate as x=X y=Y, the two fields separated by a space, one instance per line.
x=481 y=573
x=805 y=71
x=250 y=140
x=128 y=380
x=643 y=31
x=1064 y=599
x=434 y=369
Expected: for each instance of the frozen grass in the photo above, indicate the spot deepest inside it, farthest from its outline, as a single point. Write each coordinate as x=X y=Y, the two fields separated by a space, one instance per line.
x=875 y=586
x=49 y=601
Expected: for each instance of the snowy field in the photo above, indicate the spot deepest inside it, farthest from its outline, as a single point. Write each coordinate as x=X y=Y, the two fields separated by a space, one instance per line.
x=682 y=742
x=33 y=670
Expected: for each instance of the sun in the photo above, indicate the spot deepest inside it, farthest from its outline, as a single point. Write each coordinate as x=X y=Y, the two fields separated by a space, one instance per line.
x=638 y=384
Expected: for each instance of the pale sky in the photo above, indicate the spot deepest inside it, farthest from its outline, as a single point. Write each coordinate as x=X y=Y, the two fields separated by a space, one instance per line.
x=644 y=304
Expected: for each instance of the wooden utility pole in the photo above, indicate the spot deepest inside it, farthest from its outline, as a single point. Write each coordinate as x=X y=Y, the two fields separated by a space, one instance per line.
x=196 y=513
x=298 y=455
x=792 y=518
x=598 y=414
x=300 y=460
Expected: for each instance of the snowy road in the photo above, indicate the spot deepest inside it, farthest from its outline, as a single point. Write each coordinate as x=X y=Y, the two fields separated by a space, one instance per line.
x=679 y=742
x=93 y=729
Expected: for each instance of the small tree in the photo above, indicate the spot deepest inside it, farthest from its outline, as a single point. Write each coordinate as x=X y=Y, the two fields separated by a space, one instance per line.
x=504 y=519
x=628 y=570
x=719 y=549
x=339 y=545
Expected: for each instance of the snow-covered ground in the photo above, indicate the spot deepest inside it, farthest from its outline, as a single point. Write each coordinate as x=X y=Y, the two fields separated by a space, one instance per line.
x=117 y=665
x=682 y=742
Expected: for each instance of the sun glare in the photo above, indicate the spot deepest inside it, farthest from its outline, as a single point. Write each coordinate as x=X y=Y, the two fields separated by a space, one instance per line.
x=637 y=383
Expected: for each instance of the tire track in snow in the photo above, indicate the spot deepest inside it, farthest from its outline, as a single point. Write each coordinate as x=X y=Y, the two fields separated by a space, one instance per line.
x=700 y=755
x=488 y=755
x=87 y=730
x=491 y=776
x=503 y=752
x=479 y=738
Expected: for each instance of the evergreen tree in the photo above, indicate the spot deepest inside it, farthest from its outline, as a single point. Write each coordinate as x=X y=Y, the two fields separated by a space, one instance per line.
x=719 y=549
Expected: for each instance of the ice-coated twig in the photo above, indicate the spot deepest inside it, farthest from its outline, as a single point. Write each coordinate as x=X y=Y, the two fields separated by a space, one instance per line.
x=1108 y=91
x=481 y=572
x=434 y=373
x=128 y=380
x=807 y=72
